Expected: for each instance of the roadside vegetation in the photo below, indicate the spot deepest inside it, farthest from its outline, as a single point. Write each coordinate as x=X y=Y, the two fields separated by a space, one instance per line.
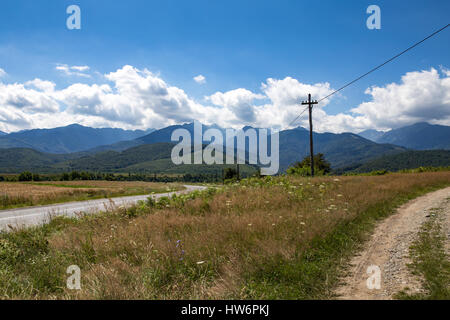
x=303 y=168
x=24 y=194
x=193 y=175
x=408 y=160
x=430 y=261
x=263 y=238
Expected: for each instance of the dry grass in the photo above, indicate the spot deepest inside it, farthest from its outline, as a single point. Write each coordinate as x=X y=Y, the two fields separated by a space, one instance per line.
x=106 y=184
x=267 y=238
x=17 y=194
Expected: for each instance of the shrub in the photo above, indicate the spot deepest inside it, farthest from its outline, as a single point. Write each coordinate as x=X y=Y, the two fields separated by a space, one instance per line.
x=26 y=176
x=303 y=168
x=229 y=174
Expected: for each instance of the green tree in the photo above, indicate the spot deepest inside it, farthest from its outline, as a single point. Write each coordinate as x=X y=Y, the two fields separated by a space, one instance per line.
x=26 y=176
x=75 y=175
x=230 y=173
x=303 y=168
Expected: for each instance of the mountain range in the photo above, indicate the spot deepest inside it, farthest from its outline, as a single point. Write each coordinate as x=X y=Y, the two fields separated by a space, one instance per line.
x=115 y=150
x=147 y=158
x=419 y=136
x=69 y=139
x=372 y=135
x=339 y=149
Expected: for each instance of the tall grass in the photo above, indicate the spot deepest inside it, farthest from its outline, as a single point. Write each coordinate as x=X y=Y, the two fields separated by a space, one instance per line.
x=282 y=238
x=13 y=195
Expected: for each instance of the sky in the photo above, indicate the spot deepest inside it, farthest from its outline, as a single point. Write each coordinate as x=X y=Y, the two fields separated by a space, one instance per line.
x=140 y=64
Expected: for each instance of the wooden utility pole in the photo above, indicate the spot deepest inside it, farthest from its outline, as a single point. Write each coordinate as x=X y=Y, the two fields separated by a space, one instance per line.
x=310 y=106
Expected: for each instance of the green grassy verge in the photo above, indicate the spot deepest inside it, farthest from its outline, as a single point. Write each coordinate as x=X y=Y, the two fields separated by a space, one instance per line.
x=430 y=261
x=315 y=274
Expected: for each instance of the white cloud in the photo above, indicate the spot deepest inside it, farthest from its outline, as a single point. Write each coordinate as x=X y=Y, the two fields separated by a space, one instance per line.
x=421 y=96
x=2 y=73
x=200 y=79
x=285 y=97
x=138 y=99
x=42 y=85
x=290 y=92
x=17 y=96
x=80 y=68
x=239 y=102
x=78 y=71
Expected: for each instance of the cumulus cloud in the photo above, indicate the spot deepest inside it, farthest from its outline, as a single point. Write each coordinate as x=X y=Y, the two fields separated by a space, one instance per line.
x=137 y=99
x=420 y=96
x=2 y=73
x=17 y=96
x=239 y=102
x=42 y=85
x=289 y=91
x=133 y=98
x=200 y=79
x=285 y=97
x=20 y=103
x=79 y=71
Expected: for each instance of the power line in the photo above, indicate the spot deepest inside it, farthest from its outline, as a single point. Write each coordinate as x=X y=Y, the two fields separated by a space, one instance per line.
x=377 y=67
x=298 y=116
x=384 y=63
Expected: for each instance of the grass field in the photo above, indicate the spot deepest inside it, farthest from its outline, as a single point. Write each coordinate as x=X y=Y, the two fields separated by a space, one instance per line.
x=280 y=238
x=21 y=194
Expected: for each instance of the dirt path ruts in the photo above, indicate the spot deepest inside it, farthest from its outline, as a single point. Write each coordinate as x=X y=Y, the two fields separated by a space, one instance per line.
x=388 y=249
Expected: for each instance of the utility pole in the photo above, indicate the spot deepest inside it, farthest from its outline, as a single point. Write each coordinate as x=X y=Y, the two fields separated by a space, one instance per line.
x=310 y=106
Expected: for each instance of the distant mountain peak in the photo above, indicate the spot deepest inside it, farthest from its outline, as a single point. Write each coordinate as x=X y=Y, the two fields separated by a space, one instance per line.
x=74 y=125
x=68 y=139
x=421 y=124
x=371 y=134
x=247 y=128
x=419 y=136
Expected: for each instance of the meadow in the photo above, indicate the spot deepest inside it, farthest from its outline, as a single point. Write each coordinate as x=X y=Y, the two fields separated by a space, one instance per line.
x=263 y=238
x=22 y=194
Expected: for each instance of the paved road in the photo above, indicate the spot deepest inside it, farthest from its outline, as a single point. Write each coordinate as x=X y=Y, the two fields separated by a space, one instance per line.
x=25 y=217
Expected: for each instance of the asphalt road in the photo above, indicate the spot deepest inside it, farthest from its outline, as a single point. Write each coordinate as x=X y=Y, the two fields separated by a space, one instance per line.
x=31 y=216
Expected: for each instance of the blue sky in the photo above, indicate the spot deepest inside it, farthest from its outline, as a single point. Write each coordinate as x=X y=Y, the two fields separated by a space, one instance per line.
x=233 y=44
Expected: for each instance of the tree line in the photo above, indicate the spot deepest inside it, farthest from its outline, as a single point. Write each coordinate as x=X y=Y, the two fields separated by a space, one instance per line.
x=28 y=176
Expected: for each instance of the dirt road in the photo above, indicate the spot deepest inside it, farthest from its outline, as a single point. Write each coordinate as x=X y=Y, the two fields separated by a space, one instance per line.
x=388 y=249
